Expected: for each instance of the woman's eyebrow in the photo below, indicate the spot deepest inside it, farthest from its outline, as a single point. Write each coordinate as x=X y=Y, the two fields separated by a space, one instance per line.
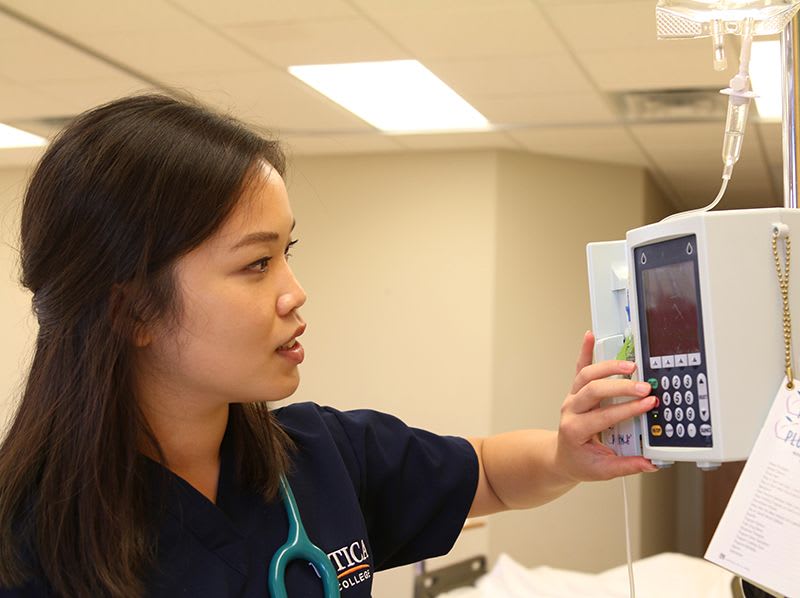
x=255 y=238
x=258 y=237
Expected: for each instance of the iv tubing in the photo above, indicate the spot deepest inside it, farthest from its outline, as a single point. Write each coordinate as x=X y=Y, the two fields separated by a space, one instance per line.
x=628 y=538
x=738 y=105
x=710 y=206
x=739 y=98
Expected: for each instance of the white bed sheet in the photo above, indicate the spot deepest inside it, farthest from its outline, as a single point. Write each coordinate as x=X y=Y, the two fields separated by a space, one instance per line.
x=665 y=575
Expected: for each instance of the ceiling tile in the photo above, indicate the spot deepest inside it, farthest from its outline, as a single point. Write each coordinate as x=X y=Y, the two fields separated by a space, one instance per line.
x=93 y=15
x=271 y=98
x=606 y=25
x=599 y=144
x=490 y=140
x=318 y=41
x=39 y=57
x=78 y=96
x=338 y=144
x=426 y=7
x=264 y=11
x=478 y=33
x=157 y=52
x=533 y=67
x=26 y=157
x=675 y=143
x=24 y=103
x=13 y=28
x=549 y=109
x=512 y=75
x=587 y=2
x=683 y=64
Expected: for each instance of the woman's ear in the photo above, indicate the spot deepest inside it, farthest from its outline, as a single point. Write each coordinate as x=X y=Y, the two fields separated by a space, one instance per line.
x=124 y=319
x=141 y=335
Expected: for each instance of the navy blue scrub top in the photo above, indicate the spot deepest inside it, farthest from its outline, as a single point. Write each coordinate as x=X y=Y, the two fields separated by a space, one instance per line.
x=373 y=494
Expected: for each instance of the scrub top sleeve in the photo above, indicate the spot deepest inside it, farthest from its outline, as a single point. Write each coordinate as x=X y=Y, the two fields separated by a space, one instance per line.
x=416 y=487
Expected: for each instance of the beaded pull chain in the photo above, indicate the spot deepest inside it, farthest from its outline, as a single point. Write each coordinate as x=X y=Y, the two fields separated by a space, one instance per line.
x=779 y=232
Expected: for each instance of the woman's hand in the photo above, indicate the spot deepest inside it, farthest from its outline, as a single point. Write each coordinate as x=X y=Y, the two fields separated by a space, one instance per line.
x=579 y=454
x=527 y=468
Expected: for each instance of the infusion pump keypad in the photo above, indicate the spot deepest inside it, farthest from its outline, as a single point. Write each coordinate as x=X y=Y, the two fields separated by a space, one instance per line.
x=683 y=416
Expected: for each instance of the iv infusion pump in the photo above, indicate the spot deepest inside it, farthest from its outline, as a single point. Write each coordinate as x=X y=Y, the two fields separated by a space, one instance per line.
x=700 y=296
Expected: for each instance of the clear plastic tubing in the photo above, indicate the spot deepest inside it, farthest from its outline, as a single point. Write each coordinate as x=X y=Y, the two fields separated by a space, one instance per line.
x=734 y=132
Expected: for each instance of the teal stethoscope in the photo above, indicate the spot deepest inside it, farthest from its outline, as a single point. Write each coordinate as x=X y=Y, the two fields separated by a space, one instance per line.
x=298 y=547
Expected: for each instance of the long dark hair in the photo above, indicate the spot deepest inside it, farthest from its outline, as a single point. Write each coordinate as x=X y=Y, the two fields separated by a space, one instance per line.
x=119 y=196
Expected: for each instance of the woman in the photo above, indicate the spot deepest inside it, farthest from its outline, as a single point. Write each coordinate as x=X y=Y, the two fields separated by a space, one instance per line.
x=143 y=460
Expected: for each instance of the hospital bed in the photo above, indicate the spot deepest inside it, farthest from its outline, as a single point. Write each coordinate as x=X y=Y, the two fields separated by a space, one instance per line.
x=688 y=576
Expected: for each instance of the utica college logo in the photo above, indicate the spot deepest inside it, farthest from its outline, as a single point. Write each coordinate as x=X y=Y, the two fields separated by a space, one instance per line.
x=352 y=564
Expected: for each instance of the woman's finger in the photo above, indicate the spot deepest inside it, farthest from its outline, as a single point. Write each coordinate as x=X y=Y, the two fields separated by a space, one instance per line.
x=587 y=425
x=591 y=395
x=586 y=352
x=615 y=467
x=603 y=369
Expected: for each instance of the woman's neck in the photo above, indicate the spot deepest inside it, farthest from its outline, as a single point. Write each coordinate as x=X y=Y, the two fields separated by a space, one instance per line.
x=190 y=437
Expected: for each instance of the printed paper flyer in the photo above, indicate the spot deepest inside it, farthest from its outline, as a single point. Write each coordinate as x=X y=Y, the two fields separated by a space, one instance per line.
x=757 y=536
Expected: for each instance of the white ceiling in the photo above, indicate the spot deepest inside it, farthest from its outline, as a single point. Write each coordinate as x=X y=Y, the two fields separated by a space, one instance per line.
x=544 y=72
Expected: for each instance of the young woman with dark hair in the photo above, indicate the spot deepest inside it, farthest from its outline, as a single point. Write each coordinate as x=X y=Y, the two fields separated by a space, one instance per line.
x=143 y=459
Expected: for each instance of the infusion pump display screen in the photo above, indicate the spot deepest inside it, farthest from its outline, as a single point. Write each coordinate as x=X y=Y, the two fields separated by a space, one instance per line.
x=670 y=318
x=670 y=301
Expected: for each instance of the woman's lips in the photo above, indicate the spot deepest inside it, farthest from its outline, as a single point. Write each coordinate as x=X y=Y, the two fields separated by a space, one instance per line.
x=295 y=354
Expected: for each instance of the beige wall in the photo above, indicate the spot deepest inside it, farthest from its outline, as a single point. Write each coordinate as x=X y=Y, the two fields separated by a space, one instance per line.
x=16 y=323
x=397 y=256
x=548 y=210
x=449 y=288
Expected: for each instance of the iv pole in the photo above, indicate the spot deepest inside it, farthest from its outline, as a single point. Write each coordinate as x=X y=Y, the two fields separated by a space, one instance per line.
x=791 y=103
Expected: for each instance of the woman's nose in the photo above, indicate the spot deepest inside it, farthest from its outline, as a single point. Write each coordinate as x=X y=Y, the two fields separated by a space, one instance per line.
x=293 y=298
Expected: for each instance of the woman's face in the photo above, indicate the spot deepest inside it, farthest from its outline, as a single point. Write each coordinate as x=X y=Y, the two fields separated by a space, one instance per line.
x=236 y=339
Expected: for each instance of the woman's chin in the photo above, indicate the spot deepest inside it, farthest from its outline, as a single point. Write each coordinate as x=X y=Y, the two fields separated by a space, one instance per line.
x=284 y=391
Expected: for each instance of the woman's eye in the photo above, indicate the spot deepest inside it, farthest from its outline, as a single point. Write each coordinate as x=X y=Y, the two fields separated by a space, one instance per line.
x=260 y=266
x=287 y=251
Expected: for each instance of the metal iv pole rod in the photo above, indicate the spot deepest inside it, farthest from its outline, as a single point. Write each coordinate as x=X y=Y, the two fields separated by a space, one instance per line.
x=790 y=51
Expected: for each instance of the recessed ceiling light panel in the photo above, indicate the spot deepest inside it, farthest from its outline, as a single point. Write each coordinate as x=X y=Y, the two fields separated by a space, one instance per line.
x=396 y=96
x=14 y=138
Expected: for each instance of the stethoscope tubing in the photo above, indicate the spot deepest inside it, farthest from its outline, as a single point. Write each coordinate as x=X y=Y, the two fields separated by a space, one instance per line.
x=298 y=546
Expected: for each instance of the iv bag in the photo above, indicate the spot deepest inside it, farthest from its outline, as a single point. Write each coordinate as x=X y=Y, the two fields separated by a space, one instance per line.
x=699 y=18
x=681 y=19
